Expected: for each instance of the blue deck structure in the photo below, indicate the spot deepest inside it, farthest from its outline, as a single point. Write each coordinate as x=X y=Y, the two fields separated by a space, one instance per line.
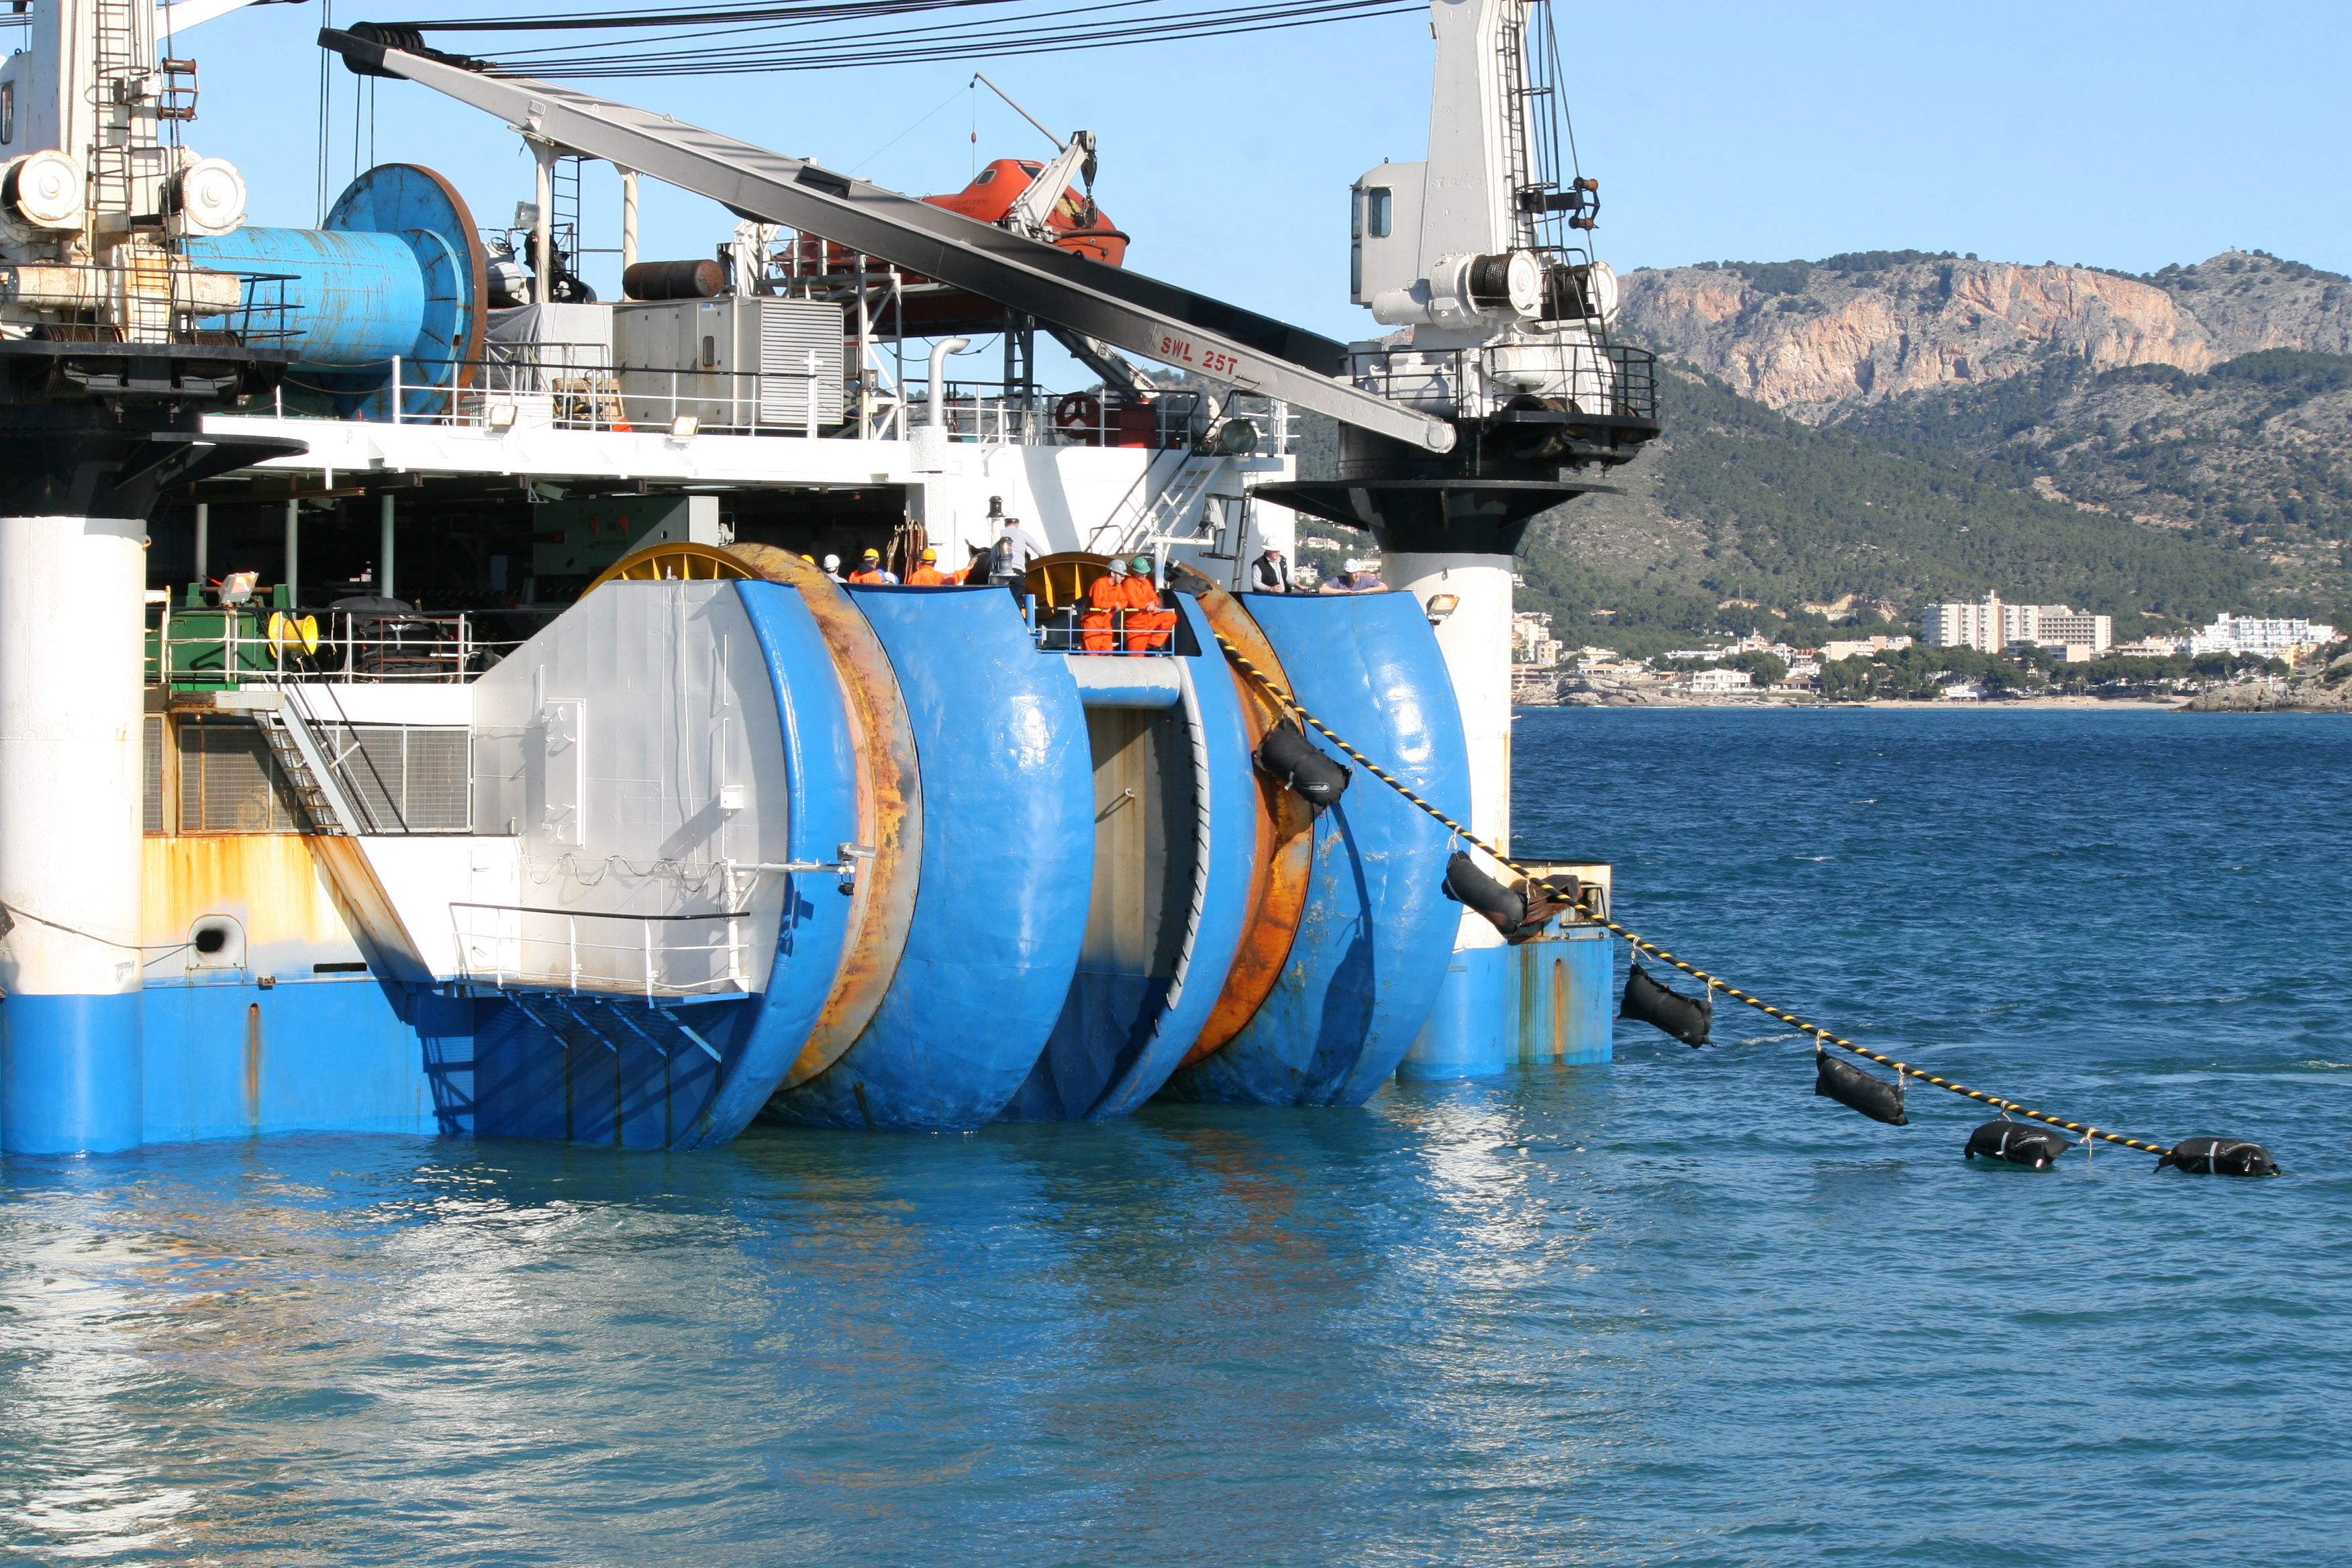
x=1007 y=858
x=1378 y=932
x=1172 y=875
x=682 y=1073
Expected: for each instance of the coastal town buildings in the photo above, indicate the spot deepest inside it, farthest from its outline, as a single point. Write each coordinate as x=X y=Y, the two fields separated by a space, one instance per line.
x=1717 y=680
x=1990 y=626
x=2266 y=638
x=1532 y=644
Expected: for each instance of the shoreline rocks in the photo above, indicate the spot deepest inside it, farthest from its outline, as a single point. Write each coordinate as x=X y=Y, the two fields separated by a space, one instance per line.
x=2261 y=697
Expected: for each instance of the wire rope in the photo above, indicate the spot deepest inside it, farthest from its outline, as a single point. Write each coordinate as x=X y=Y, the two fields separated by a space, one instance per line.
x=1285 y=701
x=1034 y=30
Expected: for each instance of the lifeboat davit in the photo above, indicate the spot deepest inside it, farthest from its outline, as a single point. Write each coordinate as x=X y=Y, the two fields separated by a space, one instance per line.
x=929 y=309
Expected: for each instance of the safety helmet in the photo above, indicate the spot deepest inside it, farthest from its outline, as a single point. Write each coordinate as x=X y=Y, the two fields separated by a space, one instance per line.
x=873 y=555
x=1118 y=567
x=1141 y=563
x=930 y=554
x=833 y=562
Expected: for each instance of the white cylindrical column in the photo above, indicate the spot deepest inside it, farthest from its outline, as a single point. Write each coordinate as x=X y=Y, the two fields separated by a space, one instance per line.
x=1476 y=638
x=384 y=576
x=628 y=219
x=203 y=542
x=542 y=233
x=71 y=729
x=1470 y=1028
x=293 y=553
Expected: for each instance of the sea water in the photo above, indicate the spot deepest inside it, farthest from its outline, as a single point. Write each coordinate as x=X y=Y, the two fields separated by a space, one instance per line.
x=1671 y=1310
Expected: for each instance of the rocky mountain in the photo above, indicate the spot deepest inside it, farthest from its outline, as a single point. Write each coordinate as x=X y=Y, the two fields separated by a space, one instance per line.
x=1818 y=340
x=1863 y=434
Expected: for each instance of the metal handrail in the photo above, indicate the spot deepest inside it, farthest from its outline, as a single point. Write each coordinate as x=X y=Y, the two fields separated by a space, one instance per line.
x=360 y=646
x=577 y=976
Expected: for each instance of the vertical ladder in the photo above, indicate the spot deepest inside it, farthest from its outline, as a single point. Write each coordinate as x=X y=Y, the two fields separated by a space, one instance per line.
x=564 y=221
x=1511 y=46
x=114 y=87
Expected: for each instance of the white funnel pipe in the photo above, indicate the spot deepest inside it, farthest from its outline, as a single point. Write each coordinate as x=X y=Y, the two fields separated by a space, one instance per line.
x=940 y=351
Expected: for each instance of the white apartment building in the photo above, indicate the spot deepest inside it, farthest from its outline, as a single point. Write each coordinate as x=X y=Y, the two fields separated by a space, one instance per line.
x=1717 y=679
x=1531 y=639
x=2270 y=640
x=1991 y=625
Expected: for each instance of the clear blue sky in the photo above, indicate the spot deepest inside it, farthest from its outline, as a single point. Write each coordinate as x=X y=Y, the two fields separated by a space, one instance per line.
x=2120 y=135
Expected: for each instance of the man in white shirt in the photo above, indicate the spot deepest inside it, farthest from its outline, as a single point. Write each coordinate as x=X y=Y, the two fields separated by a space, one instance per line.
x=1270 y=573
x=1015 y=547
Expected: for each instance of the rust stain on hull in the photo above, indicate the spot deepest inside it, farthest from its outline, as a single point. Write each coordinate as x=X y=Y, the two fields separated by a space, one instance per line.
x=890 y=809
x=368 y=909
x=1284 y=853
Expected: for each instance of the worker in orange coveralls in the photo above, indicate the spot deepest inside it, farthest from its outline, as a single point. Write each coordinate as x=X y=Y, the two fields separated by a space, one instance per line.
x=1147 y=626
x=870 y=570
x=1106 y=596
x=928 y=574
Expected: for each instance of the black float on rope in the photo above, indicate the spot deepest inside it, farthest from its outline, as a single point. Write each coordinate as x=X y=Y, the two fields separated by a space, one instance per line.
x=1686 y=1019
x=1836 y=1079
x=2017 y=1143
x=2220 y=1157
x=1288 y=755
x=1467 y=885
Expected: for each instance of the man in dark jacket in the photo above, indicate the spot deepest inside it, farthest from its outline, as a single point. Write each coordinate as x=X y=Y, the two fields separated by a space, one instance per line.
x=1270 y=573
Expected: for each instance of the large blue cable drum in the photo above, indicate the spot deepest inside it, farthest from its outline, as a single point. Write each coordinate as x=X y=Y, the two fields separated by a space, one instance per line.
x=396 y=272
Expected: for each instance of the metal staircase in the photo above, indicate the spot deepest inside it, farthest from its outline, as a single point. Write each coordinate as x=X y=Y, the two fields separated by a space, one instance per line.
x=1143 y=521
x=310 y=776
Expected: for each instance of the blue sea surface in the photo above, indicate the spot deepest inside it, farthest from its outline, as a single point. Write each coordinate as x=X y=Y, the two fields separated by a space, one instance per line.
x=1677 y=1309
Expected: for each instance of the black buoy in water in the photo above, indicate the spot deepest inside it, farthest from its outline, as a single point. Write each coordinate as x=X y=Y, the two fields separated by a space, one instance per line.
x=1686 y=1019
x=2017 y=1143
x=1837 y=1079
x=2220 y=1157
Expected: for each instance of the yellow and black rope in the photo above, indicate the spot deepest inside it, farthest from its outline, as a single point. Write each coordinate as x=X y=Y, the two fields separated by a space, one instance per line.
x=1286 y=702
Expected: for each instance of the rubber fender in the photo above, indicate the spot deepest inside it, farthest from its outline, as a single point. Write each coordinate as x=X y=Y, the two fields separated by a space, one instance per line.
x=1686 y=1019
x=1858 y=1091
x=1286 y=755
x=1465 y=884
x=2220 y=1157
x=2017 y=1143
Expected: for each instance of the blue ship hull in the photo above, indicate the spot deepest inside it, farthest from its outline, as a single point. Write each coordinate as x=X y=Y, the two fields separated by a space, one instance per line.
x=1059 y=874
x=1378 y=931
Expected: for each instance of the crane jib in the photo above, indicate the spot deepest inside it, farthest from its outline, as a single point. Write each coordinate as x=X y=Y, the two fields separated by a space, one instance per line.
x=1126 y=310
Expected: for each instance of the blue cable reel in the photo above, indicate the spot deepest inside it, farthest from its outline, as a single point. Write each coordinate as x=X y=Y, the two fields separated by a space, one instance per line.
x=397 y=271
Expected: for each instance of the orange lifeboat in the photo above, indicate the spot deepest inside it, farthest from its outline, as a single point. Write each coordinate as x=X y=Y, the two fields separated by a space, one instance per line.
x=929 y=309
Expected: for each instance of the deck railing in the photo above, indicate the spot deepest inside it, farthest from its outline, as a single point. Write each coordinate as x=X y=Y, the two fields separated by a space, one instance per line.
x=235 y=644
x=519 y=947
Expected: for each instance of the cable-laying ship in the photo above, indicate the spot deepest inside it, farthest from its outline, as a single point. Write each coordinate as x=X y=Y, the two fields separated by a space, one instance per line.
x=521 y=772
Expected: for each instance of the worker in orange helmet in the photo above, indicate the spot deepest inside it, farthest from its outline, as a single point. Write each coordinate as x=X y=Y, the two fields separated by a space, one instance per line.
x=1106 y=596
x=1147 y=626
x=926 y=575
x=870 y=570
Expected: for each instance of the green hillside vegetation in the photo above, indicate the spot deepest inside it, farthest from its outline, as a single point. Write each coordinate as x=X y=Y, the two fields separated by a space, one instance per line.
x=2247 y=457
x=1784 y=514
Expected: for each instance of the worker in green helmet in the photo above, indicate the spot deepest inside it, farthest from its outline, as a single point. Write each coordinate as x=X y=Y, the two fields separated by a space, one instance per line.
x=1148 y=625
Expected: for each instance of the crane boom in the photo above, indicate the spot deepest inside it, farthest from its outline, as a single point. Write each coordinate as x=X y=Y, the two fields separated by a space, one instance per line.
x=1156 y=320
